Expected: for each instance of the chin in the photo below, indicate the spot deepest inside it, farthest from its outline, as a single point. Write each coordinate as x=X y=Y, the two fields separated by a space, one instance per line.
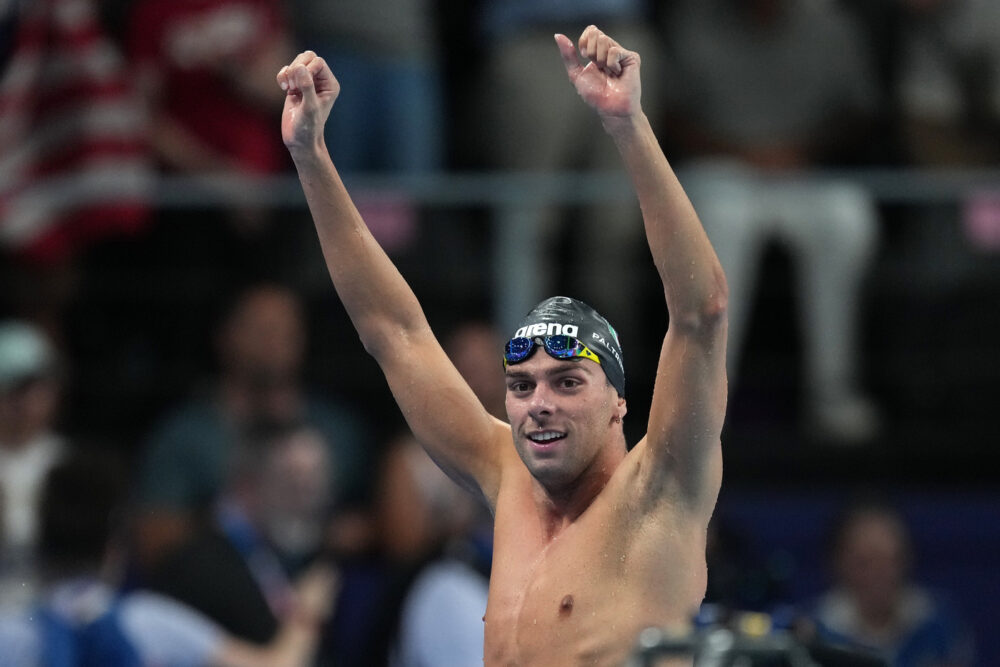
x=551 y=475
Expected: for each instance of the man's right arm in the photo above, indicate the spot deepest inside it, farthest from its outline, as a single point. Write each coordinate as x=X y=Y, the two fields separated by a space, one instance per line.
x=440 y=408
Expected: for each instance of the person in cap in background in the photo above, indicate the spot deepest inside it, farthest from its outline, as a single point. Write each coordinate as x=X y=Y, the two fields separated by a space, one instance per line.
x=30 y=386
x=593 y=541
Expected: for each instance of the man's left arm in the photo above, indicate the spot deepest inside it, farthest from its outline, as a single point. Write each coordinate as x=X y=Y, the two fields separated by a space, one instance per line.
x=689 y=399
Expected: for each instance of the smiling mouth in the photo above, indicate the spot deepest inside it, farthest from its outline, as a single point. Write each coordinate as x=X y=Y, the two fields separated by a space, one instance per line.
x=545 y=438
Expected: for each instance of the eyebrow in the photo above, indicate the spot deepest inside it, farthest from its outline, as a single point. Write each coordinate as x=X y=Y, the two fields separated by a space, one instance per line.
x=548 y=373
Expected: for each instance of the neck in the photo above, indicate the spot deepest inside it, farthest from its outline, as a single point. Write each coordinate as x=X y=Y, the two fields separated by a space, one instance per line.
x=562 y=505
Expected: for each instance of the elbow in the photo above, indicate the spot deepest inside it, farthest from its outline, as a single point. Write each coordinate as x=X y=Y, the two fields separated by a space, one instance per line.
x=715 y=306
x=712 y=316
x=708 y=313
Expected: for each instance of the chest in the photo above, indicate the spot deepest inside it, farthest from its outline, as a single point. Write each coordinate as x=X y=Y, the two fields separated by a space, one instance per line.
x=584 y=596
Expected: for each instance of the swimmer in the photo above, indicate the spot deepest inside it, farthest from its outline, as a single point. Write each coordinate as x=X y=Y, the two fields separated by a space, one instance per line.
x=594 y=541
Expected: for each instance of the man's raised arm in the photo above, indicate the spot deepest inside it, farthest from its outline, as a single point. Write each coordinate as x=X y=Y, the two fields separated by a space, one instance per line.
x=689 y=399
x=440 y=408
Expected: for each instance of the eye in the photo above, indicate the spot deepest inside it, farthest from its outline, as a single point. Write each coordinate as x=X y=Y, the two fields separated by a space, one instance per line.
x=518 y=386
x=569 y=382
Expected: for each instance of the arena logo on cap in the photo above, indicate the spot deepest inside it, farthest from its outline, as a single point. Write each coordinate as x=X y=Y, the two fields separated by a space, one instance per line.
x=547 y=329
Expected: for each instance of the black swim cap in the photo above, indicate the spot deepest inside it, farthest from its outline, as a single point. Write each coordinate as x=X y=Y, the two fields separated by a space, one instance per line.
x=562 y=315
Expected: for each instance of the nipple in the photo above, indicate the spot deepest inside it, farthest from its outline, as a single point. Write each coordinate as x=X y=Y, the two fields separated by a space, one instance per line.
x=566 y=606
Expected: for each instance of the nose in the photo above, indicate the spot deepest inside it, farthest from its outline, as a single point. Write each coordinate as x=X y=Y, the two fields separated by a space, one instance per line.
x=541 y=401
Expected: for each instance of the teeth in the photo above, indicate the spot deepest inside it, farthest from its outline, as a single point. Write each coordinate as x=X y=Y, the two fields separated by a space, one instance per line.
x=547 y=436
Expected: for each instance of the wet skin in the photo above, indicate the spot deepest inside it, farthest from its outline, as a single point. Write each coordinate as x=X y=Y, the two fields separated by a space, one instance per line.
x=583 y=529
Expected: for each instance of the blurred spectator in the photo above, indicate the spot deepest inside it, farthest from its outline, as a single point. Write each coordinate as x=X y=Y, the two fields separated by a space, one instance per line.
x=30 y=385
x=948 y=81
x=415 y=599
x=272 y=521
x=873 y=602
x=474 y=347
x=437 y=541
x=947 y=100
x=207 y=71
x=84 y=619
x=390 y=113
x=766 y=90
x=261 y=347
x=520 y=68
x=74 y=163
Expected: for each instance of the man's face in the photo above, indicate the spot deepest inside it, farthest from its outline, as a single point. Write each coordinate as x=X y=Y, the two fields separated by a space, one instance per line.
x=265 y=337
x=873 y=561
x=562 y=415
x=28 y=409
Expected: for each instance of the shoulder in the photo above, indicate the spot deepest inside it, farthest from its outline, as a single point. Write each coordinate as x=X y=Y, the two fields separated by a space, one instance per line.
x=165 y=631
x=441 y=620
x=448 y=584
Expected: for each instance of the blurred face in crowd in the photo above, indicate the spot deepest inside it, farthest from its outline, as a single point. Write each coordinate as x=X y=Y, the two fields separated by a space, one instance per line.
x=262 y=346
x=473 y=350
x=295 y=490
x=265 y=334
x=28 y=409
x=872 y=561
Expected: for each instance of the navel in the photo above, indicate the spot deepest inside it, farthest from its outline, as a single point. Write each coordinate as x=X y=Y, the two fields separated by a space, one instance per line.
x=566 y=606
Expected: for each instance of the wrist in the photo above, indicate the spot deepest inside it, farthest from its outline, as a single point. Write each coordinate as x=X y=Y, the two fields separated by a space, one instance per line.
x=303 y=619
x=309 y=156
x=623 y=126
x=622 y=123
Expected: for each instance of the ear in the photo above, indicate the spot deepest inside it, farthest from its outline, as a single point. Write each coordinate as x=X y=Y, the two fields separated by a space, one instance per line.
x=621 y=409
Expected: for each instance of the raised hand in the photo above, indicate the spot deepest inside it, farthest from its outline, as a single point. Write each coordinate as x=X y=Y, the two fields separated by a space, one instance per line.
x=316 y=591
x=310 y=91
x=609 y=82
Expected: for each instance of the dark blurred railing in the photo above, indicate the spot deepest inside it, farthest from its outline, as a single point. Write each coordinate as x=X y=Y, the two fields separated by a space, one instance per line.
x=512 y=195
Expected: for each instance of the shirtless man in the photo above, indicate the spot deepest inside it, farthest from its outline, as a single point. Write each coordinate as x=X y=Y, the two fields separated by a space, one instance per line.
x=593 y=542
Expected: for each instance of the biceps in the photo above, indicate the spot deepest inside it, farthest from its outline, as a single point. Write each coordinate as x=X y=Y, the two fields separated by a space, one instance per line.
x=447 y=418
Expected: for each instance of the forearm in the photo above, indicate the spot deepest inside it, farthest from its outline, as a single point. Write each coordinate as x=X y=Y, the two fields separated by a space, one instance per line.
x=377 y=298
x=294 y=646
x=693 y=281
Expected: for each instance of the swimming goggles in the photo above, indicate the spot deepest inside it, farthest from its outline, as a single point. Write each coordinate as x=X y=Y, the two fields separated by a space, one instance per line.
x=560 y=347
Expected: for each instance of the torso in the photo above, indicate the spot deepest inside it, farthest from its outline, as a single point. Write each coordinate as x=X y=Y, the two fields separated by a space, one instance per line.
x=583 y=595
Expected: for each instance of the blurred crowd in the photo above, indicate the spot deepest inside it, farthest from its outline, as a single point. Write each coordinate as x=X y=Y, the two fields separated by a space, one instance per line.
x=198 y=466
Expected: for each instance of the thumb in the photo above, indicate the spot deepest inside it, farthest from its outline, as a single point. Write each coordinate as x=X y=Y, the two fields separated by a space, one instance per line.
x=569 y=57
